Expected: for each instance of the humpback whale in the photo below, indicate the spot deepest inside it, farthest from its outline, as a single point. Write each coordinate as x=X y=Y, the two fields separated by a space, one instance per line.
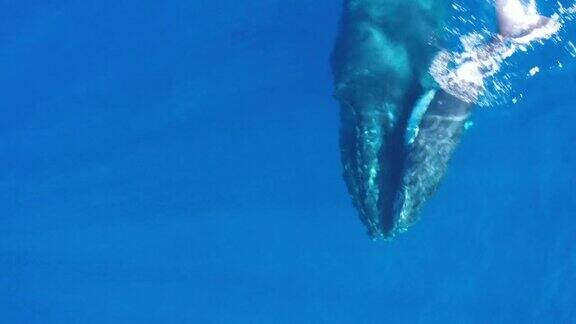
x=381 y=63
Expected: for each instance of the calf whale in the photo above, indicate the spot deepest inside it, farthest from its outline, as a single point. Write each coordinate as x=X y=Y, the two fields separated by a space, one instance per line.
x=443 y=123
x=381 y=63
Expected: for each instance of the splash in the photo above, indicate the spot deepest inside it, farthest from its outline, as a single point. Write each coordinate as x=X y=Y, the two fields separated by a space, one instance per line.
x=473 y=71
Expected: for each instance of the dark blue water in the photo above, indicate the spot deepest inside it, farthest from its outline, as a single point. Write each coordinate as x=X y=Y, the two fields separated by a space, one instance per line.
x=178 y=162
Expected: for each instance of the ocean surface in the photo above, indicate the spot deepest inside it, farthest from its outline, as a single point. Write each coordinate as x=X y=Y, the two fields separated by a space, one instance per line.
x=177 y=162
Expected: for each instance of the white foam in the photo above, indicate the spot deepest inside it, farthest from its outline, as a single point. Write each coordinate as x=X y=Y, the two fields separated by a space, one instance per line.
x=471 y=73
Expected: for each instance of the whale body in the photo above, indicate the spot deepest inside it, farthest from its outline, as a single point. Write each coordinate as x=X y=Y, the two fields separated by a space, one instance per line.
x=381 y=64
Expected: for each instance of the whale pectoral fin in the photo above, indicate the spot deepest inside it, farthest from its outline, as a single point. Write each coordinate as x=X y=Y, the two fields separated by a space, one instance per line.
x=521 y=21
x=416 y=116
x=542 y=28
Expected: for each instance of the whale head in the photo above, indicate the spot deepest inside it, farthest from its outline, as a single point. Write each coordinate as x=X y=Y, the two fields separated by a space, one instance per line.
x=380 y=62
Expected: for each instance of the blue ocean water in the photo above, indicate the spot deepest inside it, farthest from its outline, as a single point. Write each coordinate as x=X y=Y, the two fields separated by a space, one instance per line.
x=178 y=162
